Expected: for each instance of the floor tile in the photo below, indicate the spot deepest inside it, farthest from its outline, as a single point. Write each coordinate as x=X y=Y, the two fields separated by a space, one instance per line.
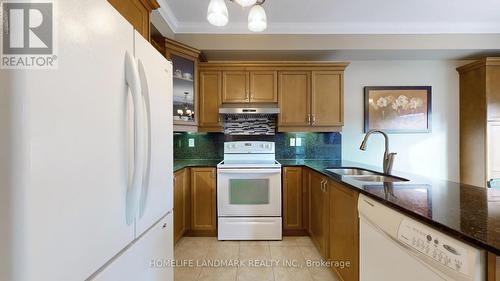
x=291 y=274
x=222 y=252
x=261 y=252
x=255 y=274
x=310 y=253
x=288 y=256
x=303 y=241
x=218 y=274
x=287 y=241
x=254 y=243
x=322 y=274
x=186 y=273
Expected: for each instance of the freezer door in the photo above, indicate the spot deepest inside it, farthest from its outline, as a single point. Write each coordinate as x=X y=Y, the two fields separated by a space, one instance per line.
x=63 y=203
x=148 y=259
x=156 y=81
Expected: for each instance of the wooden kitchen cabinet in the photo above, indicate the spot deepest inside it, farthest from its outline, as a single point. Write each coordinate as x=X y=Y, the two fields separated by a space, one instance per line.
x=203 y=202
x=210 y=100
x=294 y=97
x=292 y=201
x=181 y=203
x=263 y=87
x=318 y=211
x=137 y=12
x=327 y=105
x=343 y=230
x=249 y=87
x=235 y=87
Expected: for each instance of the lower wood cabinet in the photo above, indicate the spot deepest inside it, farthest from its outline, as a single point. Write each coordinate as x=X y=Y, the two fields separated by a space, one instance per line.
x=292 y=201
x=181 y=203
x=318 y=211
x=203 y=202
x=344 y=230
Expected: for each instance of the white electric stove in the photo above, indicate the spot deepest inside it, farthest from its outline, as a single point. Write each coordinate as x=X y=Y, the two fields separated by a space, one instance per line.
x=249 y=192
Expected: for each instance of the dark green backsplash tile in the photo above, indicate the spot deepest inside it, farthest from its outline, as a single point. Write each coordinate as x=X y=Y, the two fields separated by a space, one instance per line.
x=324 y=146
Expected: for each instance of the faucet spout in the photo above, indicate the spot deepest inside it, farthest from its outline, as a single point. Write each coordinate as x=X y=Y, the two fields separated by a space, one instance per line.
x=388 y=156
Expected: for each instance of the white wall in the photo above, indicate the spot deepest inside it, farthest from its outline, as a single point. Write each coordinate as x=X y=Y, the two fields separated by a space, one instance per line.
x=433 y=154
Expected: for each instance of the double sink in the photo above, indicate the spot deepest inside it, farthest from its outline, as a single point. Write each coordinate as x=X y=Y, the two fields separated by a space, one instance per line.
x=363 y=175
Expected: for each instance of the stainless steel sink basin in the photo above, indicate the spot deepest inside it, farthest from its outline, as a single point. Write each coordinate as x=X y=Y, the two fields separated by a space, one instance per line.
x=377 y=178
x=350 y=171
x=363 y=175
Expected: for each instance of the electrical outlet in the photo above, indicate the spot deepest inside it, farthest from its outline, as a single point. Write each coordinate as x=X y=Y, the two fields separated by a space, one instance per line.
x=191 y=142
x=298 y=141
x=292 y=142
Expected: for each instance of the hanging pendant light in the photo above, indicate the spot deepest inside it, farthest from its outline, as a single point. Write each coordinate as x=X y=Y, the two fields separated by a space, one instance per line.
x=257 y=19
x=245 y=3
x=217 y=13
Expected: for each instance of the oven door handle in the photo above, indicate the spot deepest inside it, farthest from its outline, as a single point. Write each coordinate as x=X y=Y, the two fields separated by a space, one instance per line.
x=249 y=171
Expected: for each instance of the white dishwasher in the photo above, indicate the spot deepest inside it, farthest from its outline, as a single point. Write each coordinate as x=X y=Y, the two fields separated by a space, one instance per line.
x=394 y=247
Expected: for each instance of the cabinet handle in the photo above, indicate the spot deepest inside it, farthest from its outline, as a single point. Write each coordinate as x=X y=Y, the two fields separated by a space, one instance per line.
x=309 y=118
x=313 y=119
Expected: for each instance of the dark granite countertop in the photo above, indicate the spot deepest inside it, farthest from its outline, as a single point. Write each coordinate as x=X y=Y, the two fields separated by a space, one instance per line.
x=468 y=213
x=180 y=164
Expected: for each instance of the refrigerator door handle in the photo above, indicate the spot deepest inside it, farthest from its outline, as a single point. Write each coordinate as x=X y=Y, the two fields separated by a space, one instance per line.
x=147 y=119
x=134 y=186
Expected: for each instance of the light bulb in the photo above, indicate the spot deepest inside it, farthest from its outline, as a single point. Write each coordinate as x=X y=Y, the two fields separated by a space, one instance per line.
x=257 y=19
x=217 y=13
x=245 y=3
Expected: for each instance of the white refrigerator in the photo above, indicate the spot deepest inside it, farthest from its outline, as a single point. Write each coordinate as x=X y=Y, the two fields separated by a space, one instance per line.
x=86 y=155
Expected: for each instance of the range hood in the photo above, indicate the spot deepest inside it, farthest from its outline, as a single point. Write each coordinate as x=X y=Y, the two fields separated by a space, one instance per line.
x=255 y=110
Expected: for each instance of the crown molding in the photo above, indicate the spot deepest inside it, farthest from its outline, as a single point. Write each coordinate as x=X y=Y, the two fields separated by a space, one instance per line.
x=168 y=15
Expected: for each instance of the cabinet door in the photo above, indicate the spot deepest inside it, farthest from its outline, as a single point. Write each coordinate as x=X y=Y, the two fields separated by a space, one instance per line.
x=235 y=88
x=203 y=206
x=210 y=98
x=327 y=98
x=263 y=87
x=179 y=204
x=294 y=93
x=493 y=150
x=292 y=198
x=317 y=216
x=344 y=230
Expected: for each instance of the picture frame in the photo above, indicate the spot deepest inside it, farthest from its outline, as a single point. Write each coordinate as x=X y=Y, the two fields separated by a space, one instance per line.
x=398 y=109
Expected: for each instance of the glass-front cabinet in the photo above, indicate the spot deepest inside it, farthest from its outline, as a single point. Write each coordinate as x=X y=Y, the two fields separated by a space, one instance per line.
x=185 y=100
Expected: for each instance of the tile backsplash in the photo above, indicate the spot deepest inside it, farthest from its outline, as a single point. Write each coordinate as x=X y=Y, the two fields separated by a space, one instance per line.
x=237 y=125
x=324 y=146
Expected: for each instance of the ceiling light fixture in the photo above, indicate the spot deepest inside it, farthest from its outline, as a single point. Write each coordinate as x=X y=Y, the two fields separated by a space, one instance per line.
x=257 y=20
x=217 y=13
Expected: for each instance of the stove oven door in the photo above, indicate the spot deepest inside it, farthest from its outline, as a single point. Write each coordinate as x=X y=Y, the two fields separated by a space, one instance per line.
x=249 y=192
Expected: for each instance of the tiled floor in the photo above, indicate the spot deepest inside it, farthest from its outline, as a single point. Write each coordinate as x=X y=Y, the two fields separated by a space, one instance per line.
x=258 y=260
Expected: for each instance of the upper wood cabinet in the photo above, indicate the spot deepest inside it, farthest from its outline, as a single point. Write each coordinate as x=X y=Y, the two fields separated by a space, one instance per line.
x=253 y=87
x=479 y=110
x=235 y=87
x=210 y=101
x=309 y=94
x=294 y=99
x=344 y=230
x=137 y=12
x=311 y=101
x=318 y=211
x=292 y=200
x=327 y=101
x=203 y=201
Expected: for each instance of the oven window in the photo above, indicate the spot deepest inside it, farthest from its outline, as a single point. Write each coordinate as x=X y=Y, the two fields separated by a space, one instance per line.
x=248 y=191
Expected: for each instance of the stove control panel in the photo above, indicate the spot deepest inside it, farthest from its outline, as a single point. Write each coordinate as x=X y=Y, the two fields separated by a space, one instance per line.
x=251 y=147
x=434 y=245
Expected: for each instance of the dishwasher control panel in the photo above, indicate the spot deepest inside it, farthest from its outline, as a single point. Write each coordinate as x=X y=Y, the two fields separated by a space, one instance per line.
x=434 y=245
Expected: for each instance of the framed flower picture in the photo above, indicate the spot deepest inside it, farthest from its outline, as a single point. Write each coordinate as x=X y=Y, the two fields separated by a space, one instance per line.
x=398 y=109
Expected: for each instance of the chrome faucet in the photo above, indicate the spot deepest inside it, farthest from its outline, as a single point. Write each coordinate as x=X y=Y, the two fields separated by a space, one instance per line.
x=388 y=157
